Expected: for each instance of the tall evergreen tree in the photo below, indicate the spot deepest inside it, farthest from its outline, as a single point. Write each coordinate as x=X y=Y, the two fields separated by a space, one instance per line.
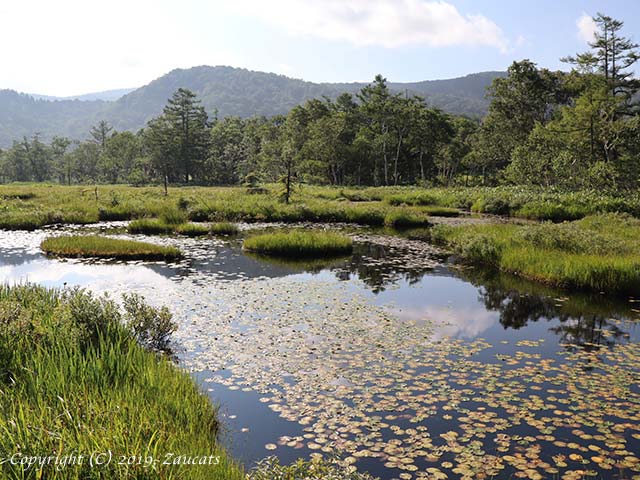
x=100 y=133
x=189 y=126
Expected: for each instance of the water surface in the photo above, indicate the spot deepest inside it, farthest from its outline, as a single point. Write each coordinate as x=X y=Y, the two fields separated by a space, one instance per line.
x=389 y=359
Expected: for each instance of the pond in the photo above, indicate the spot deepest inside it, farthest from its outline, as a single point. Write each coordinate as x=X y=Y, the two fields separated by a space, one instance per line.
x=390 y=360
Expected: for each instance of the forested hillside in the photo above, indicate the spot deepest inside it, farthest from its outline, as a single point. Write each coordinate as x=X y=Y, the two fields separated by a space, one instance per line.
x=225 y=90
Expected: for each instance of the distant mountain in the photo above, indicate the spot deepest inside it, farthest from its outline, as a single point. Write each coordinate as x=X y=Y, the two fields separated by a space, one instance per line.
x=227 y=90
x=107 y=96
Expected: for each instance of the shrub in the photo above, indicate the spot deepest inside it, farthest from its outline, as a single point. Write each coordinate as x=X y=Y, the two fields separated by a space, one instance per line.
x=482 y=249
x=151 y=327
x=599 y=253
x=75 y=376
x=22 y=221
x=547 y=210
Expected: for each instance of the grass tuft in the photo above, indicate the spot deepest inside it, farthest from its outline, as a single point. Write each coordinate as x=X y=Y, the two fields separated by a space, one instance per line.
x=150 y=226
x=192 y=229
x=406 y=219
x=224 y=228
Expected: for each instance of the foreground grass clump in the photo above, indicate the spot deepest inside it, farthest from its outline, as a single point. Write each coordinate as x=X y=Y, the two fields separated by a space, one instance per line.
x=600 y=252
x=79 y=376
x=299 y=244
x=224 y=228
x=105 y=247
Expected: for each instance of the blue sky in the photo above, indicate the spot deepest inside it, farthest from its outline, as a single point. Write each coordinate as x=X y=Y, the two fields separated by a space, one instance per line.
x=70 y=47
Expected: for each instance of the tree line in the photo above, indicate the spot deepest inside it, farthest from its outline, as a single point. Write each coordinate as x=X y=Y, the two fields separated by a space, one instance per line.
x=577 y=129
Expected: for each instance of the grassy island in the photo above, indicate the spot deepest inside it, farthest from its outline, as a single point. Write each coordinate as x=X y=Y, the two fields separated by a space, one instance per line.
x=105 y=247
x=300 y=244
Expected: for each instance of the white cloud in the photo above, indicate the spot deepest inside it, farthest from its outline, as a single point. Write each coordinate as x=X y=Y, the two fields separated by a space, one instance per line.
x=387 y=23
x=68 y=47
x=587 y=28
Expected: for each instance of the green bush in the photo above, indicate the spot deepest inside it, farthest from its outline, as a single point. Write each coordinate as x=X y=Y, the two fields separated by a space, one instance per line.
x=173 y=216
x=482 y=249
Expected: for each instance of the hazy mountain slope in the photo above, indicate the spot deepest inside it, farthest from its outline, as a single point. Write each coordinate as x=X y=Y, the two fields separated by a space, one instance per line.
x=229 y=91
x=107 y=96
x=22 y=115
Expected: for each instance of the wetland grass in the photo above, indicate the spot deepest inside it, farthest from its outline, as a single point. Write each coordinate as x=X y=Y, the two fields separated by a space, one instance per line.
x=299 y=244
x=94 y=246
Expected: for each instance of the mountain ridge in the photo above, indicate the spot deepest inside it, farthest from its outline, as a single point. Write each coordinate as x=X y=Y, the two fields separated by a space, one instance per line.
x=225 y=90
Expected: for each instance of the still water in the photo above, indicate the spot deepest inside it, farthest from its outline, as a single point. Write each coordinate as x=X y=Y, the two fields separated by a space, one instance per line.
x=390 y=360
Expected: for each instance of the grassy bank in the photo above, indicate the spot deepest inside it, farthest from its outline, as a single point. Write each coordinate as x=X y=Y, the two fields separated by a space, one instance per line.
x=599 y=253
x=299 y=244
x=75 y=379
x=105 y=247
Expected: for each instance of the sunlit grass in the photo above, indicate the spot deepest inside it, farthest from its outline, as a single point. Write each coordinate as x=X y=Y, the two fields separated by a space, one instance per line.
x=105 y=247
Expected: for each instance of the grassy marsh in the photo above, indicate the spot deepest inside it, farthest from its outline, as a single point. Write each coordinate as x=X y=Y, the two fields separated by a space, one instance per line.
x=30 y=206
x=105 y=247
x=600 y=252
